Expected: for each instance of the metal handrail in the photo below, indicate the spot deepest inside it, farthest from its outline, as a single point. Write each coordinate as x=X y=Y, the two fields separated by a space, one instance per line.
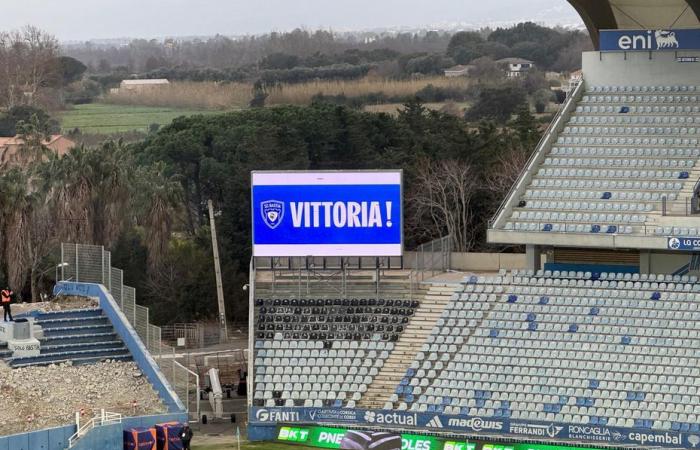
x=541 y=146
x=105 y=418
x=187 y=401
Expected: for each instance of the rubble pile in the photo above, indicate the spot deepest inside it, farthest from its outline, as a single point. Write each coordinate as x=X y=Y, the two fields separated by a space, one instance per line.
x=60 y=303
x=33 y=398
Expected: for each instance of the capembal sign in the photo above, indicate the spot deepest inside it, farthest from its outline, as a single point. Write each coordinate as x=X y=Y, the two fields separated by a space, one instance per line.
x=327 y=213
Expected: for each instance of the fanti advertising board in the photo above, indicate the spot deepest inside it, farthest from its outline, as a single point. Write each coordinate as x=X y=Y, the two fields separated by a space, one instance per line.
x=327 y=213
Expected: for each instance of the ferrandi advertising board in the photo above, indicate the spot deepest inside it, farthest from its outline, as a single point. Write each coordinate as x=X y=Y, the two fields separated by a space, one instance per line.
x=327 y=213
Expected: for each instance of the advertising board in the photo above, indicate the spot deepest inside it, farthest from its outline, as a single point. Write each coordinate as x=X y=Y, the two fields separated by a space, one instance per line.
x=649 y=40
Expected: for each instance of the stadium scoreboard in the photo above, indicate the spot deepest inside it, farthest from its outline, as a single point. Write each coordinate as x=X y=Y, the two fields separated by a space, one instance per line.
x=327 y=213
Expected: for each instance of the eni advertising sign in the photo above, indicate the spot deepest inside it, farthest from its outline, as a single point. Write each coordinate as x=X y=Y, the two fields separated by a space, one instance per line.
x=649 y=40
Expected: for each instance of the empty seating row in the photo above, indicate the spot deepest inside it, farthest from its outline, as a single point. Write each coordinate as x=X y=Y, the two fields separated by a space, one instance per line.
x=638 y=109
x=630 y=131
x=630 y=119
x=623 y=140
x=645 y=99
x=693 y=153
x=609 y=162
x=612 y=89
x=590 y=206
x=573 y=183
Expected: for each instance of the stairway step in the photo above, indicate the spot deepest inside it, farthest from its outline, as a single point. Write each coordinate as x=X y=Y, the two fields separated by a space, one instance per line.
x=67 y=313
x=73 y=330
x=79 y=361
x=73 y=321
x=78 y=338
x=48 y=349
x=51 y=358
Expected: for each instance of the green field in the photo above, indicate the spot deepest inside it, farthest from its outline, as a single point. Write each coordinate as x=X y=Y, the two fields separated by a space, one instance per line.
x=100 y=118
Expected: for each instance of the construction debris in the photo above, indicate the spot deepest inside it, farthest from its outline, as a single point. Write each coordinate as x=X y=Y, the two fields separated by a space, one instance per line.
x=33 y=398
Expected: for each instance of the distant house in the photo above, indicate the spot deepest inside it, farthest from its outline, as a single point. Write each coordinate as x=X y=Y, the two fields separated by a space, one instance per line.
x=515 y=67
x=459 y=71
x=574 y=79
x=10 y=148
x=142 y=84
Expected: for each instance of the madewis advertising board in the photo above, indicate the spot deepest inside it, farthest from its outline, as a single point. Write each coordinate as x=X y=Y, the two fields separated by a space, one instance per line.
x=327 y=213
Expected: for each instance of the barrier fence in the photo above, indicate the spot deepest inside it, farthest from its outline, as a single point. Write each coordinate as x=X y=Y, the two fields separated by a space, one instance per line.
x=92 y=264
x=434 y=257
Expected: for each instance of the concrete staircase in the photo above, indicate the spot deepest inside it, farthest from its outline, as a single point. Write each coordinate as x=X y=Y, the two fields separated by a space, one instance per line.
x=82 y=336
x=433 y=297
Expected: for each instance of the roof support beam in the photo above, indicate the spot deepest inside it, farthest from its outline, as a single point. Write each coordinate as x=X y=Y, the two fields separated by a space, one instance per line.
x=695 y=6
x=598 y=15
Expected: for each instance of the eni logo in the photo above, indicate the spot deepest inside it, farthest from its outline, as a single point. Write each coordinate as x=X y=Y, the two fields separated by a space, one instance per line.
x=645 y=41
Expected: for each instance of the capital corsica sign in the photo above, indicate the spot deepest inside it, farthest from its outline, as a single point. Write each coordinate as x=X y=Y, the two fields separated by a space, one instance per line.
x=327 y=213
x=649 y=40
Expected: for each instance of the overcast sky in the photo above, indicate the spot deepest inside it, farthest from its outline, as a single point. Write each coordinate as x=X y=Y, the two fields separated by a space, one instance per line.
x=86 y=19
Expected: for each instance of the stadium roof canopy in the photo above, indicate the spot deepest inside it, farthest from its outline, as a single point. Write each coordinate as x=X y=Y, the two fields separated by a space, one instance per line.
x=637 y=15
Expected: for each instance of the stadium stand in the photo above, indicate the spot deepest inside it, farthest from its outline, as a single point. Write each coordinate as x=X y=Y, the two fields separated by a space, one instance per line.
x=625 y=153
x=323 y=352
x=579 y=348
x=80 y=336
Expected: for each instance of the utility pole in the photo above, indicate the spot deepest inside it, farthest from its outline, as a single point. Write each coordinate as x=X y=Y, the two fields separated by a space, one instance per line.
x=223 y=335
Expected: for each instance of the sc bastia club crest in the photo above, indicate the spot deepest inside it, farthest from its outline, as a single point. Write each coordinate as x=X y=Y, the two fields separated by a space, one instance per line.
x=272 y=212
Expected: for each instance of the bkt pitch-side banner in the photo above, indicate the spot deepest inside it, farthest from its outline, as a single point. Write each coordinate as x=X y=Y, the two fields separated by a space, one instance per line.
x=649 y=40
x=327 y=213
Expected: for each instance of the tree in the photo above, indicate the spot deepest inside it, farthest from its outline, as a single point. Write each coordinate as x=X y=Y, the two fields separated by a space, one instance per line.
x=17 y=114
x=69 y=70
x=463 y=41
x=443 y=193
x=498 y=103
x=28 y=59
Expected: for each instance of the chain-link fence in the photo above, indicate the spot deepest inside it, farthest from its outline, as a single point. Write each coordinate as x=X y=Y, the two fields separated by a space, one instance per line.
x=92 y=264
x=434 y=257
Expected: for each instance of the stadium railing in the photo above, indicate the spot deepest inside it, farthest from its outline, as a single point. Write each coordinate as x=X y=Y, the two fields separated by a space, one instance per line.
x=548 y=139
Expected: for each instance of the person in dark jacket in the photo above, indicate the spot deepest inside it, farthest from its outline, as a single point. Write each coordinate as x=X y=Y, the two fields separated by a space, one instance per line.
x=6 y=300
x=186 y=437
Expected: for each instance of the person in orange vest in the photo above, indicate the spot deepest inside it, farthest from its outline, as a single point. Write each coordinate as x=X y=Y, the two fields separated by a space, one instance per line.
x=6 y=300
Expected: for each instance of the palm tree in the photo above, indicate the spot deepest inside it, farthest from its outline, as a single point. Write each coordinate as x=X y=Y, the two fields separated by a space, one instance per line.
x=17 y=203
x=157 y=197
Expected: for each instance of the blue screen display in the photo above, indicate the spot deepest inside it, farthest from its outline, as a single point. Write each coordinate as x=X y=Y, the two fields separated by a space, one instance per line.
x=329 y=219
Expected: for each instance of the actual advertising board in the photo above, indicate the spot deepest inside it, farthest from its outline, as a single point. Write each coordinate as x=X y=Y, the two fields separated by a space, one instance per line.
x=327 y=213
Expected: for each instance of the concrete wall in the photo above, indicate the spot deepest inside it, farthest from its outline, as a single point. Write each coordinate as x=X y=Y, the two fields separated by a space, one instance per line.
x=475 y=262
x=639 y=68
x=663 y=262
x=488 y=262
x=126 y=332
x=109 y=437
x=48 y=439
